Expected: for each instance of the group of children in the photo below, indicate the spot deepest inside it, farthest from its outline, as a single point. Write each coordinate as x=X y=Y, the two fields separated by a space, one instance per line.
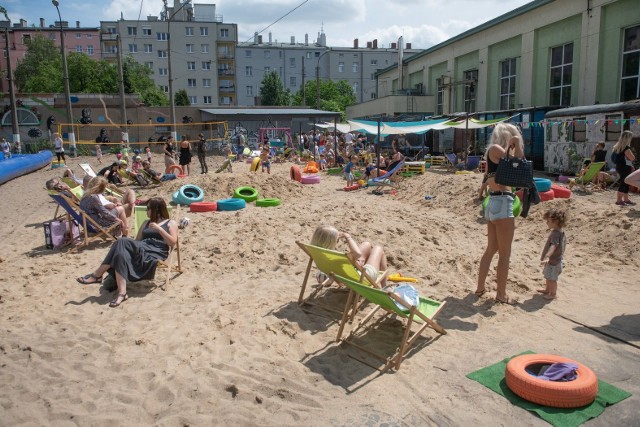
x=124 y=153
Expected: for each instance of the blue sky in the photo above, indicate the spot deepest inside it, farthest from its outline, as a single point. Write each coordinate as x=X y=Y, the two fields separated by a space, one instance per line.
x=422 y=22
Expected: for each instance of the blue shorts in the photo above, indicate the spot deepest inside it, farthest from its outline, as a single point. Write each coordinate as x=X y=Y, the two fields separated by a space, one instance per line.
x=499 y=207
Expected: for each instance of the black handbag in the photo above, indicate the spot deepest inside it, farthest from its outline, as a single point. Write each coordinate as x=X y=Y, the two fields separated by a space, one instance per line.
x=514 y=172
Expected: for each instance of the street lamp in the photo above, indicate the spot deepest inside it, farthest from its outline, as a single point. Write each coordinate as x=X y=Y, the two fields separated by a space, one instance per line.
x=65 y=78
x=171 y=102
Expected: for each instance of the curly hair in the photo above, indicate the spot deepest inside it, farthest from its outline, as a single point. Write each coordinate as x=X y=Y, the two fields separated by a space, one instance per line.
x=556 y=215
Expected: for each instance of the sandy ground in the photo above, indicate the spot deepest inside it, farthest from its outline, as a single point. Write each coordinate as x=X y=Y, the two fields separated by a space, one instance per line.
x=227 y=343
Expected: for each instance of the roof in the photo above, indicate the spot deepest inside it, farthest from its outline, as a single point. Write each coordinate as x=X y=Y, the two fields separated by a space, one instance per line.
x=252 y=111
x=633 y=106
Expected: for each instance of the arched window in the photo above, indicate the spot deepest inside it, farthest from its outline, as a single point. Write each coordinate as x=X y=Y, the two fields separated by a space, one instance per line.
x=25 y=118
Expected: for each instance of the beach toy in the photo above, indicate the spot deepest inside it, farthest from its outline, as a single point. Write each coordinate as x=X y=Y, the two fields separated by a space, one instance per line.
x=524 y=377
x=203 y=207
x=361 y=182
x=188 y=194
x=248 y=194
x=517 y=206
x=560 y=192
x=351 y=187
x=263 y=203
x=294 y=173
x=398 y=277
x=246 y=151
x=174 y=169
x=231 y=204
x=563 y=178
x=545 y=196
x=310 y=179
x=542 y=184
x=56 y=164
x=181 y=176
x=255 y=164
x=183 y=223
x=224 y=166
x=119 y=156
x=22 y=164
x=311 y=167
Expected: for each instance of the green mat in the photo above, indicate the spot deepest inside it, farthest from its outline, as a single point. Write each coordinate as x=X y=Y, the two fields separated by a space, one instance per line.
x=493 y=378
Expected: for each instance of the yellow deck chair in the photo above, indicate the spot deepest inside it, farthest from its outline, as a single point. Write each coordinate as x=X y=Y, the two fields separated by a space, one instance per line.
x=588 y=176
x=422 y=314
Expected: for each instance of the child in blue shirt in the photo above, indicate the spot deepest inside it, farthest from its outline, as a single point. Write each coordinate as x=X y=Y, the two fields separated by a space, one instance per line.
x=348 y=171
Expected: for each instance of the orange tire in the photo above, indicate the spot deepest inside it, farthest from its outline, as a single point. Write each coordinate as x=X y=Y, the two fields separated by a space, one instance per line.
x=570 y=394
x=172 y=168
x=294 y=173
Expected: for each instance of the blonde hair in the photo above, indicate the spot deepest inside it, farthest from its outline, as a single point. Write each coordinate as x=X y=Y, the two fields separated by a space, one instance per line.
x=97 y=185
x=325 y=236
x=623 y=142
x=502 y=134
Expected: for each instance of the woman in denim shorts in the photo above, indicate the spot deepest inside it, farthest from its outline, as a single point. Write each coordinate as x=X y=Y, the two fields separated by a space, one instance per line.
x=499 y=211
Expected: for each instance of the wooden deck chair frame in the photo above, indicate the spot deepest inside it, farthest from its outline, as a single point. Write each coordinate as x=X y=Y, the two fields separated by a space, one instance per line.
x=348 y=264
x=388 y=298
x=452 y=162
x=73 y=211
x=589 y=175
x=392 y=178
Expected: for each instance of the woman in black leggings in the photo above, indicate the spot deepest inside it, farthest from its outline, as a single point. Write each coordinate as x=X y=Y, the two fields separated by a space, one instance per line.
x=59 y=148
x=624 y=155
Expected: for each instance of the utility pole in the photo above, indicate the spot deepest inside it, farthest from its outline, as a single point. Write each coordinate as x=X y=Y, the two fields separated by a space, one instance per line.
x=123 y=99
x=304 y=101
x=12 y=95
x=171 y=101
x=65 y=78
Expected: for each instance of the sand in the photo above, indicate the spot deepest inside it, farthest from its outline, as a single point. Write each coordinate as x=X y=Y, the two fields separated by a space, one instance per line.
x=227 y=344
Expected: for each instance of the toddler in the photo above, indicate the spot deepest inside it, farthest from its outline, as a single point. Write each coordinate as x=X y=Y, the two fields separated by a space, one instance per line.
x=553 y=250
x=147 y=150
x=265 y=159
x=322 y=163
x=348 y=171
x=99 y=154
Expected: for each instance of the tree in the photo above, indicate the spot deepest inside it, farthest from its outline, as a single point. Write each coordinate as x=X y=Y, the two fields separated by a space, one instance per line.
x=273 y=92
x=181 y=98
x=154 y=97
x=41 y=58
x=334 y=96
x=137 y=77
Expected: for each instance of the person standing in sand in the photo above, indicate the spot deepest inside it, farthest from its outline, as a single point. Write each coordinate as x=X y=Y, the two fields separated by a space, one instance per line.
x=505 y=139
x=185 y=154
x=551 y=257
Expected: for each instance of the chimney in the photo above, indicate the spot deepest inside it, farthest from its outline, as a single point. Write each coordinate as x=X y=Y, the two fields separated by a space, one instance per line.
x=408 y=46
x=369 y=45
x=255 y=37
x=77 y=24
x=270 y=38
x=393 y=46
x=293 y=40
x=355 y=43
x=23 y=23
x=41 y=22
x=375 y=43
x=260 y=39
x=306 y=39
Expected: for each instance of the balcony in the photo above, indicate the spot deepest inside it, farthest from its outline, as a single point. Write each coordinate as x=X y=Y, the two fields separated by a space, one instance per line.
x=108 y=37
x=226 y=72
x=226 y=89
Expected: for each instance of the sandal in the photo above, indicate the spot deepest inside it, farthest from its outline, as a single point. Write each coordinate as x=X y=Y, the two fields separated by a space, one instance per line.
x=480 y=292
x=85 y=279
x=509 y=301
x=119 y=300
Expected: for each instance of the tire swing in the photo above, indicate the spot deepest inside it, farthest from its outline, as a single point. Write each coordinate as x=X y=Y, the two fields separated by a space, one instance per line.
x=231 y=204
x=521 y=375
x=517 y=206
x=310 y=179
x=294 y=173
x=255 y=164
x=248 y=194
x=188 y=194
x=172 y=168
x=203 y=207
x=264 y=203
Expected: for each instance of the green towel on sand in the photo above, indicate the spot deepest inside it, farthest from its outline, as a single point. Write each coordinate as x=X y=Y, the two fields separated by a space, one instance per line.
x=493 y=378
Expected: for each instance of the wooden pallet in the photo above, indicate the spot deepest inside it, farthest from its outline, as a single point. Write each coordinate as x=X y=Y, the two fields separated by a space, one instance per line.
x=415 y=167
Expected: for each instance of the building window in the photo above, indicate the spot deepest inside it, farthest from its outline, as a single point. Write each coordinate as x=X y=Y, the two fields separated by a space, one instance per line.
x=249 y=90
x=163 y=71
x=193 y=100
x=247 y=54
x=90 y=50
x=267 y=54
x=204 y=48
x=89 y=36
x=79 y=48
x=248 y=71
x=267 y=70
x=354 y=67
x=191 y=82
x=440 y=96
x=373 y=95
x=374 y=62
x=189 y=48
x=78 y=35
x=308 y=55
x=579 y=129
x=206 y=65
x=341 y=67
x=560 y=78
x=148 y=48
x=292 y=81
x=206 y=99
x=224 y=33
x=162 y=36
x=146 y=32
x=204 y=31
x=292 y=62
x=373 y=76
x=111 y=30
x=613 y=127
x=149 y=65
x=508 y=84
x=191 y=65
x=206 y=82
x=133 y=48
x=316 y=54
x=164 y=88
x=162 y=54
x=188 y=31
x=630 y=80
x=132 y=31
x=225 y=100
x=52 y=36
x=355 y=87
x=471 y=81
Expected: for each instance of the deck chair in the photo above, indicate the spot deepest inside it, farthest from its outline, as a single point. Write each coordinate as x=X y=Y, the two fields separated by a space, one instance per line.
x=390 y=179
x=473 y=163
x=149 y=177
x=587 y=177
x=86 y=167
x=89 y=225
x=330 y=262
x=386 y=299
x=452 y=162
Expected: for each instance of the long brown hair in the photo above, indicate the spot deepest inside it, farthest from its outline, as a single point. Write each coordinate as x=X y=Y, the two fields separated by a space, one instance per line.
x=157 y=209
x=97 y=185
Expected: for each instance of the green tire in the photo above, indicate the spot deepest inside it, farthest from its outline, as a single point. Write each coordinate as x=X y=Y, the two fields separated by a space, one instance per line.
x=248 y=194
x=263 y=203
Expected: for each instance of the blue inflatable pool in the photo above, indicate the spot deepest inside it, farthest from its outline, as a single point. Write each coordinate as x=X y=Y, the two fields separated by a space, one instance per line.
x=22 y=164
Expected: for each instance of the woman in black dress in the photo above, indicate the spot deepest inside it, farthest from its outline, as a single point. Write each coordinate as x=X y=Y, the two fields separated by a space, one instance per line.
x=201 y=148
x=133 y=260
x=185 y=154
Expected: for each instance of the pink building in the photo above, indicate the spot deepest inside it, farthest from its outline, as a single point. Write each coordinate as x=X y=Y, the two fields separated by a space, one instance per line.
x=77 y=39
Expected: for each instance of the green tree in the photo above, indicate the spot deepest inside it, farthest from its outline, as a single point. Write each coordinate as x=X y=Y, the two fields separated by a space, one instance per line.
x=154 y=97
x=334 y=96
x=4 y=12
x=137 y=77
x=181 y=98
x=273 y=92
x=41 y=58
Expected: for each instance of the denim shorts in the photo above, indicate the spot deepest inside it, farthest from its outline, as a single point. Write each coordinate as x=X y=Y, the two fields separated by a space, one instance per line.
x=551 y=272
x=499 y=207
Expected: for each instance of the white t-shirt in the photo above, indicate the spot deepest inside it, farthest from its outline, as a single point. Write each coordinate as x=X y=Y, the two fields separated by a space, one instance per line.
x=6 y=147
x=104 y=200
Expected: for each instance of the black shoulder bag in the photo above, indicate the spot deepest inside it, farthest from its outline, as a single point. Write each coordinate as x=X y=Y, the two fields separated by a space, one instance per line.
x=514 y=172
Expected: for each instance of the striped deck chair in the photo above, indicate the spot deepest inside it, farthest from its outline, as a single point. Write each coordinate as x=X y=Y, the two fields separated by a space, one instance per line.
x=392 y=178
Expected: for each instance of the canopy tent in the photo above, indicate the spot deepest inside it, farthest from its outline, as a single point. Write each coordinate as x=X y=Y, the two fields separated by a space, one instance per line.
x=474 y=124
x=396 y=128
x=342 y=127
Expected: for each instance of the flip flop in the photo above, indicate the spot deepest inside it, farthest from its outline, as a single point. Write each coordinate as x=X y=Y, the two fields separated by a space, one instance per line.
x=508 y=301
x=480 y=293
x=84 y=280
x=115 y=302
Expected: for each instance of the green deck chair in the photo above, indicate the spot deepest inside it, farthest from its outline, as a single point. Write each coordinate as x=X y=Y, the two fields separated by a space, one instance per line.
x=333 y=262
x=589 y=175
x=385 y=299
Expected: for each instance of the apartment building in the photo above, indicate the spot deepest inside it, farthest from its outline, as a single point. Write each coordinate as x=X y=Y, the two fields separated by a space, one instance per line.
x=200 y=46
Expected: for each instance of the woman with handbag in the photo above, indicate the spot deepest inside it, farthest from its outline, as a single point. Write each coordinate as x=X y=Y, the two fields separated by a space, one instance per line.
x=506 y=143
x=624 y=159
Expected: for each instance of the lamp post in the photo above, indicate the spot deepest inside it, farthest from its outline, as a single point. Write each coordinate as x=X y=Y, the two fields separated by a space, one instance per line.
x=171 y=101
x=318 y=80
x=65 y=78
